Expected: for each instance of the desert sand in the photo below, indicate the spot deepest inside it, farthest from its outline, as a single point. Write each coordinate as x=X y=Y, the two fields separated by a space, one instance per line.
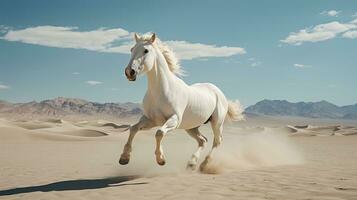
x=259 y=159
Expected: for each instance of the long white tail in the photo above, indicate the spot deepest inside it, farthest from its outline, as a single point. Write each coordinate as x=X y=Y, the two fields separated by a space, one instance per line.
x=235 y=111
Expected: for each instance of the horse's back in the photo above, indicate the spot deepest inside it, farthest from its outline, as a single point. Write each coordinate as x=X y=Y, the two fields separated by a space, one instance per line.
x=210 y=89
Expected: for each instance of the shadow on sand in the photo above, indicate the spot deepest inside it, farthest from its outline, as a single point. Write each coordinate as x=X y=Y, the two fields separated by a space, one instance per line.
x=81 y=184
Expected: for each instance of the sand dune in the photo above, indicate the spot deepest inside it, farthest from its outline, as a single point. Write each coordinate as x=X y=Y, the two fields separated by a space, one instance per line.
x=57 y=121
x=348 y=130
x=85 y=133
x=56 y=159
x=32 y=125
x=9 y=134
x=335 y=130
x=116 y=126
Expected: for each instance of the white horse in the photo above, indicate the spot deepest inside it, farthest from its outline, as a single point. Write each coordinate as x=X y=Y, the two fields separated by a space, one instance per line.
x=172 y=104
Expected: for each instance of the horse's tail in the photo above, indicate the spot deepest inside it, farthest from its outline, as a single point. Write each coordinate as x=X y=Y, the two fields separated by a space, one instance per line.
x=235 y=111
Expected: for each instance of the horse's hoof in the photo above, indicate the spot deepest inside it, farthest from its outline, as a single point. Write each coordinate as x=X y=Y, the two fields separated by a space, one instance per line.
x=191 y=167
x=205 y=163
x=123 y=161
x=161 y=162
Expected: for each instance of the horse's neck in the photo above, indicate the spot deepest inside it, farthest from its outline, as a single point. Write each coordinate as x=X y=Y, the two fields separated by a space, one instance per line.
x=160 y=78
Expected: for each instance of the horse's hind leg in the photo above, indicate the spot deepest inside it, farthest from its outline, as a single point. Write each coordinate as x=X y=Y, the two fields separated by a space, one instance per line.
x=201 y=140
x=217 y=139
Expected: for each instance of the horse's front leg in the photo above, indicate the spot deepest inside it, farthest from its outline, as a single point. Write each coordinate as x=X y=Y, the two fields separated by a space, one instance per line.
x=144 y=123
x=169 y=125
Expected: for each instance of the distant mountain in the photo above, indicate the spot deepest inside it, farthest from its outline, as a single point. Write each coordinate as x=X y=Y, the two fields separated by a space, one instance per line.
x=321 y=109
x=61 y=106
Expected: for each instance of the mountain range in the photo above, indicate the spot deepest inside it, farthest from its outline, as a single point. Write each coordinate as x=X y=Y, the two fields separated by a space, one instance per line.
x=61 y=107
x=321 y=109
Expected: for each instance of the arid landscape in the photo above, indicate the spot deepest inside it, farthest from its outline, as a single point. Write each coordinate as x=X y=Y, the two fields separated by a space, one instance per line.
x=178 y=100
x=261 y=158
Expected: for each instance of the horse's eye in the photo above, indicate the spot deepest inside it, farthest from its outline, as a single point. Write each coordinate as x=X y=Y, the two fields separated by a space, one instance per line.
x=146 y=51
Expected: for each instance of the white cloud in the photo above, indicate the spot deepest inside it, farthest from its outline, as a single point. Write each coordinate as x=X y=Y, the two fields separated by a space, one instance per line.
x=115 y=40
x=187 y=51
x=123 y=49
x=67 y=37
x=94 y=82
x=319 y=32
x=4 y=29
x=75 y=73
x=354 y=15
x=350 y=34
x=4 y=87
x=301 y=65
x=331 y=13
x=255 y=64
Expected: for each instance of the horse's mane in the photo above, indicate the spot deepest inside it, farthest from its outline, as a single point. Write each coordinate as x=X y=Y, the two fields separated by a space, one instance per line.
x=170 y=57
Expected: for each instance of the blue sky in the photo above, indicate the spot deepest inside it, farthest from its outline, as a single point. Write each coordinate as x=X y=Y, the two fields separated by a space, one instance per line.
x=252 y=50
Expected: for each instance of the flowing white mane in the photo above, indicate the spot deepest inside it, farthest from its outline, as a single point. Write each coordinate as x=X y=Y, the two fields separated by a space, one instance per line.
x=170 y=57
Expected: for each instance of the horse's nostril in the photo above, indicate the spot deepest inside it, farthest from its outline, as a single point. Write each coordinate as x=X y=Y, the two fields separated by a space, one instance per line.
x=132 y=72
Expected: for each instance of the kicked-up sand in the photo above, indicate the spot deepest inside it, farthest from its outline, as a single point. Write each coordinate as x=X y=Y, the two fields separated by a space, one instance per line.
x=258 y=159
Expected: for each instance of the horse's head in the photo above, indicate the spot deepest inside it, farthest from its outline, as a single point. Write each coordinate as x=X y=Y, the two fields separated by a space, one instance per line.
x=142 y=57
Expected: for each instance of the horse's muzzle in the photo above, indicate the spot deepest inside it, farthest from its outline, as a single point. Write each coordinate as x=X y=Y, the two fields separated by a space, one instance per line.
x=130 y=74
x=132 y=78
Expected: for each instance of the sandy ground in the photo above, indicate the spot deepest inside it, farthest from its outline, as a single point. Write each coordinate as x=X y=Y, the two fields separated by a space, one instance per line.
x=56 y=159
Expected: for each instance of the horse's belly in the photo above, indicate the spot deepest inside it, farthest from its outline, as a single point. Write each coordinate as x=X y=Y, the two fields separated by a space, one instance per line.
x=192 y=120
x=197 y=113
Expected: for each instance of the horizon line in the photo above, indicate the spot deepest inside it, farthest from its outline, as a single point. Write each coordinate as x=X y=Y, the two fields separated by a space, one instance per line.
x=103 y=102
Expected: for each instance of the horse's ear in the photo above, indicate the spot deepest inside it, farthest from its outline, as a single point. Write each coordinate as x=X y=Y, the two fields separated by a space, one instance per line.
x=153 y=37
x=137 y=37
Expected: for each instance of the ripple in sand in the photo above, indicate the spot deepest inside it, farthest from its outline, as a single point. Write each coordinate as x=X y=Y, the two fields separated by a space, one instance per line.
x=85 y=133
